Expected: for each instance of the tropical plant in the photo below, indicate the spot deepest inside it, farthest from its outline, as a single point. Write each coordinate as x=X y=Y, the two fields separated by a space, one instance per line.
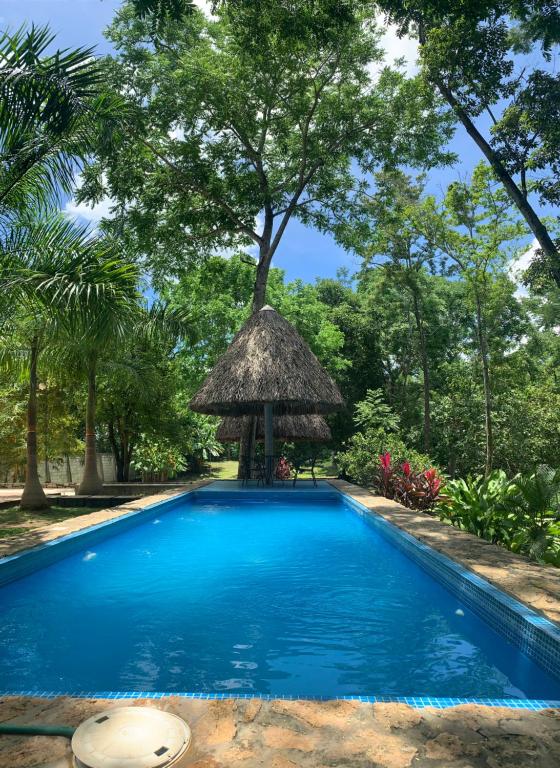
x=68 y=286
x=203 y=442
x=537 y=515
x=481 y=505
x=52 y=110
x=416 y=490
x=158 y=459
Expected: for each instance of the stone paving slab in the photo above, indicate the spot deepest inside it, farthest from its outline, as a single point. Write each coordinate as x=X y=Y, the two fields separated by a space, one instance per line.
x=252 y=733
x=53 y=531
x=538 y=586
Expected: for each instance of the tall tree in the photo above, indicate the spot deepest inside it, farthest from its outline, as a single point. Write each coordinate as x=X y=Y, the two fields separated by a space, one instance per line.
x=64 y=282
x=475 y=230
x=467 y=52
x=247 y=120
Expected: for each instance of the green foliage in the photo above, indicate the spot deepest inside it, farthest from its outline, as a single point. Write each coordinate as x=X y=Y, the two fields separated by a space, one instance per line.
x=537 y=515
x=359 y=461
x=373 y=413
x=479 y=505
x=157 y=458
x=522 y=514
x=244 y=120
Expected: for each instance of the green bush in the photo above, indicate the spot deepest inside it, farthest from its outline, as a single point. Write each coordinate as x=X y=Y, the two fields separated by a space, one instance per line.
x=360 y=461
x=479 y=505
x=522 y=514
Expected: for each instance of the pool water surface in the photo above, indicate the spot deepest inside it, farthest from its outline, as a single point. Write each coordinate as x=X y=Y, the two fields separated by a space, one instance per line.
x=253 y=596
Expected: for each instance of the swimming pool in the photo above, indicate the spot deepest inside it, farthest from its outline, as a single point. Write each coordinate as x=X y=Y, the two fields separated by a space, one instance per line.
x=252 y=593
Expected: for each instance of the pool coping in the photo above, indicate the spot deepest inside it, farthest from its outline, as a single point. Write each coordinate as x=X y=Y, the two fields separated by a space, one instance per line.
x=398 y=534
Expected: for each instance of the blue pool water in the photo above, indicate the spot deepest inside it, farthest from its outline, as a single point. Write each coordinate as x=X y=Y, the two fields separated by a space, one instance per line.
x=267 y=597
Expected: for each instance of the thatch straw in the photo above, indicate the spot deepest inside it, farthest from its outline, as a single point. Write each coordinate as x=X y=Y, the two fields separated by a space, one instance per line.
x=310 y=428
x=267 y=362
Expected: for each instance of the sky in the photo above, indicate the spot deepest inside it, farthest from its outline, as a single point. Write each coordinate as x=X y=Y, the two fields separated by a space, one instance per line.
x=303 y=253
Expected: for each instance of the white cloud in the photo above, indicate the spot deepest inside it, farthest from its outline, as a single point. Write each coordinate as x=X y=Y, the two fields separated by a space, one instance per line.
x=518 y=266
x=205 y=6
x=91 y=213
x=396 y=47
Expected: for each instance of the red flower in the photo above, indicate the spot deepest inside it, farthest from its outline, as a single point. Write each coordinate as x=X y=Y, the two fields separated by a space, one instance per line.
x=434 y=481
x=406 y=469
x=385 y=460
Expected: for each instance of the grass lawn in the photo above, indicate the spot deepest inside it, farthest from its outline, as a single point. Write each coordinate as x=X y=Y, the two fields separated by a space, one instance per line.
x=227 y=470
x=15 y=521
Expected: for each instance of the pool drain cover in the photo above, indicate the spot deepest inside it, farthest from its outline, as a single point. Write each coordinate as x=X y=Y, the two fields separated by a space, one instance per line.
x=130 y=737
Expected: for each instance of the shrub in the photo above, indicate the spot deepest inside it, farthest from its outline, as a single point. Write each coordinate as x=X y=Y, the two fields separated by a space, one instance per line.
x=536 y=506
x=480 y=505
x=359 y=462
x=283 y=469
x=522 y=514
x=417 y=490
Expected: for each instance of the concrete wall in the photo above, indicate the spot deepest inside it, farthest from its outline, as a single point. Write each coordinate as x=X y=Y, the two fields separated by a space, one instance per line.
x=105 y=467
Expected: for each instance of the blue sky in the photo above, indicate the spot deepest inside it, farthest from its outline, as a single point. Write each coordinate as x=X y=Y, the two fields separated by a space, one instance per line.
x=303 y=253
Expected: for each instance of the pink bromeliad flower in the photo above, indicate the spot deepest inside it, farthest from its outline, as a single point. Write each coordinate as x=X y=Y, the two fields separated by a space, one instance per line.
x=406 y=469
x=385 y=460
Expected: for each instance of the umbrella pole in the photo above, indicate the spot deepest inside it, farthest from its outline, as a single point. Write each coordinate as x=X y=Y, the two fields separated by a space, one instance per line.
x=268 y=444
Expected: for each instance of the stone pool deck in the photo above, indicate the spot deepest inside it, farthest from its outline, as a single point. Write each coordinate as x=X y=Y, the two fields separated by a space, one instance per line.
x=251 y=733
x=538 y=586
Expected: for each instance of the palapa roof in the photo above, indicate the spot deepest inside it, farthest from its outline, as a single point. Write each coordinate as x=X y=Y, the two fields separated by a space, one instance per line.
x=309 y=427
x=267 y=362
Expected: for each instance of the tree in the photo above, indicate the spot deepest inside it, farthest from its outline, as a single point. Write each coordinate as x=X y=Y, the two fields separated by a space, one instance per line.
x=143 y=372
x=245 y=122
x=474 y=230
x=51 y=108
x=394 y=244
x=64 y=282
x=467 y=54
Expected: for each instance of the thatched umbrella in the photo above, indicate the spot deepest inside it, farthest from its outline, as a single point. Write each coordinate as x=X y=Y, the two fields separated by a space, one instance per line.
x=309 y=428
x=267 y=367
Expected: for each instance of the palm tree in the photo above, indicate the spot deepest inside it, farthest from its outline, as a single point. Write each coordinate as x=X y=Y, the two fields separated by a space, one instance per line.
x=52 y=113
x=65 y=283
x=127 y=318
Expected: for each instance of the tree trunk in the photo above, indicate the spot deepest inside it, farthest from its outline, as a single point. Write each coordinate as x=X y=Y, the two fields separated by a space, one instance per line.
x=46 y=436
x=68 y=470
x=483 y=346
x=525 y=208
x=91 y=484
x=425 y=369
x=261 y=278
x=33 y=496
x=116 y=452
x=128 y=460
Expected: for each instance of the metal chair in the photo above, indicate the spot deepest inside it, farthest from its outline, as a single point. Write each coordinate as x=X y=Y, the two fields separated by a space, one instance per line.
x=305 y=465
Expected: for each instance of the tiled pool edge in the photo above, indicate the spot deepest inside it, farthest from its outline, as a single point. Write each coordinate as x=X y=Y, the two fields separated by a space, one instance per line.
x=129 y=517
x=535 y=635
x=417 y=702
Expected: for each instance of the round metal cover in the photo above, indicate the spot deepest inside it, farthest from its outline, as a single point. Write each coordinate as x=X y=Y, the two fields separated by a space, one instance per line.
x=130 y=737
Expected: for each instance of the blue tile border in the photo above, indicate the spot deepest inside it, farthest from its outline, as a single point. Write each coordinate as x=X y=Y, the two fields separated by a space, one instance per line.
x=417 y=702
x=533 y=634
